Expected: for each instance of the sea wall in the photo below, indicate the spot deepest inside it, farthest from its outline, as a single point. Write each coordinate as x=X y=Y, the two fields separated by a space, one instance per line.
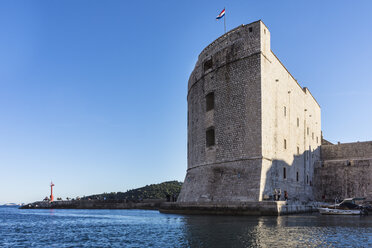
x=273 y=208
x=345 y=171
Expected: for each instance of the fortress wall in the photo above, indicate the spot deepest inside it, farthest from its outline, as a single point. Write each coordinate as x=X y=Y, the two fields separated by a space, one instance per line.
x=233 y=74
x=230 y=69
x=236 y=120
x=225 y=182
x=345 y=171
x=343 y=179
x=240 y=42
x=347 y=151
x=273 y=179
x=283 y=102
x=237 y=114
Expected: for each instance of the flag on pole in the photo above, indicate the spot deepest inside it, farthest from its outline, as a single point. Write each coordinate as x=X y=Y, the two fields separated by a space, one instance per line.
x=222 y=14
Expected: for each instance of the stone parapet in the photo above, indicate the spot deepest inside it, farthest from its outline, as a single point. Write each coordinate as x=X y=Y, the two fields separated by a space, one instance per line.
x=347 y=151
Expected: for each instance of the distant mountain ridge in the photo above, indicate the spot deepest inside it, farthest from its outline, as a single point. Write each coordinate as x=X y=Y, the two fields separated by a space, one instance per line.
x=152 y=191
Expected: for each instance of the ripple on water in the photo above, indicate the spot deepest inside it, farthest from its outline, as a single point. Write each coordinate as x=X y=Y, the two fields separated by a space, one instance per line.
x=139 y=228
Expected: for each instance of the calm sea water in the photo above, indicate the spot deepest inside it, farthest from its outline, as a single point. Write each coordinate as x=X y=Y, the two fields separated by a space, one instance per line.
x=140 y=228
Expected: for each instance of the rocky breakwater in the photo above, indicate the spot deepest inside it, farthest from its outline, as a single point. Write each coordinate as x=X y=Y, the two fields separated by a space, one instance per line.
x=95 y=204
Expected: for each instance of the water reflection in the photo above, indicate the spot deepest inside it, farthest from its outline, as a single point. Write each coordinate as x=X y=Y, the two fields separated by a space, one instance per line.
x=138 y=228
x=220 y=231
x=283 y=231
x=51 y=212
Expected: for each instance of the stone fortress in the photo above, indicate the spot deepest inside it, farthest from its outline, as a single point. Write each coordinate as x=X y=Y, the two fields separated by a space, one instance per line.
x=253 y=131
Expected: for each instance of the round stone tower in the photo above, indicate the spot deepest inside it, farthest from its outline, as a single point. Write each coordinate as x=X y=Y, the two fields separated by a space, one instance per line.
x=224 y=118
x=253 y=131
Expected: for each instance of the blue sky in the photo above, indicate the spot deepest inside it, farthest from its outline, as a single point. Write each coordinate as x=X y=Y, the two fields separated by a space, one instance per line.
x=93 y=93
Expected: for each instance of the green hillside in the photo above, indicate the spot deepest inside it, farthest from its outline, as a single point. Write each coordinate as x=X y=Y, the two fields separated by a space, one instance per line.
x=152 y=191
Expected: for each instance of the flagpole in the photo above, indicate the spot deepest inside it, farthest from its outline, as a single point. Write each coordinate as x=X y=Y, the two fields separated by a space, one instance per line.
x=224 y=20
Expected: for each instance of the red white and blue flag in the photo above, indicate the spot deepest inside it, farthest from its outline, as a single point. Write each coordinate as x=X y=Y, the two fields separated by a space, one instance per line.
x=222 y=14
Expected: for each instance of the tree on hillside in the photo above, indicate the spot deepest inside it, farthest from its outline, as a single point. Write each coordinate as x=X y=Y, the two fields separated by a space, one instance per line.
x=154 y=191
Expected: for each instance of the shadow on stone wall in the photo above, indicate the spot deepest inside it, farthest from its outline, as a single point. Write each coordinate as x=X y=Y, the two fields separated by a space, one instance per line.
x=296 y=179
x=343 y=178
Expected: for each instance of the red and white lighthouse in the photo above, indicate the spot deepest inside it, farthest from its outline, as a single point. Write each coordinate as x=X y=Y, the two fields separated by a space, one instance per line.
x=51 y=191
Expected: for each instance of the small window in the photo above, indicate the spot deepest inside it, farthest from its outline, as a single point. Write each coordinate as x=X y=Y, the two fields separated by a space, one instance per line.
x=208 y=65
x=210 y=140
x=308 y=131
x=298 y=150
x=317 y=141
x=297 y=177
x=285 y=144
x=285 y=111
x=250 y=30
x=209 y=99
x=264 y=31
x=312 y=135
x=298 y=122
x=284 y=173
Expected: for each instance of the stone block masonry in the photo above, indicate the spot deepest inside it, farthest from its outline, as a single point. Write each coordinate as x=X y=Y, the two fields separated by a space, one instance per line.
x=345 y=171
x=347 y=151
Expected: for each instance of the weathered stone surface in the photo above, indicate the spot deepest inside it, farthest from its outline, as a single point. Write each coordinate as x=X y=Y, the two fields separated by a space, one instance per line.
x=347 y=151
x=345 y=171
